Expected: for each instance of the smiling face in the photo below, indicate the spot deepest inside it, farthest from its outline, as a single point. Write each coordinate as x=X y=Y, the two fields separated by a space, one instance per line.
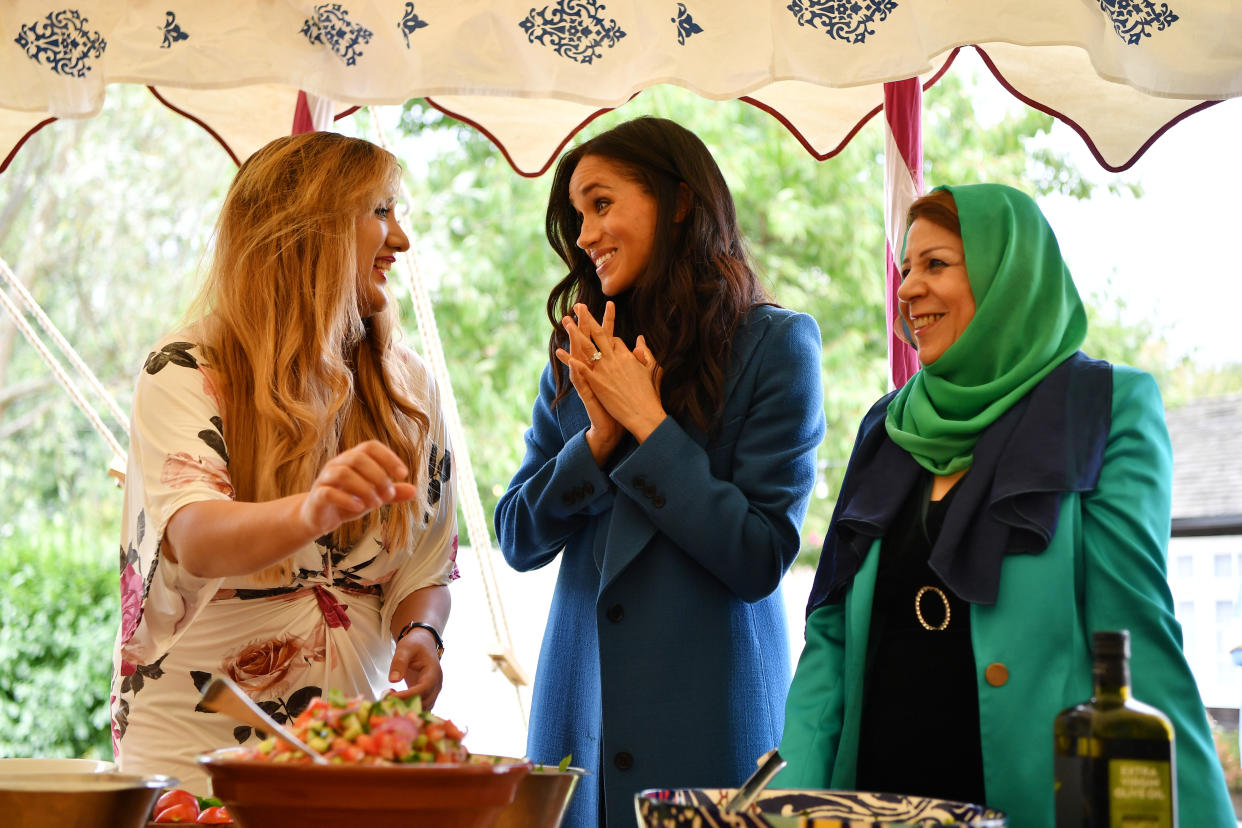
x=618 y=221
x=379 y=239
x=935 y=297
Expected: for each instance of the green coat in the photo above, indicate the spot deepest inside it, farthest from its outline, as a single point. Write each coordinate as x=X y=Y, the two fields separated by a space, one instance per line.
x=1104 y=569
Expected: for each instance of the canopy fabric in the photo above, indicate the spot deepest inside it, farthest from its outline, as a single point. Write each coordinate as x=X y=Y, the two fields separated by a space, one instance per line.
x=529 y=76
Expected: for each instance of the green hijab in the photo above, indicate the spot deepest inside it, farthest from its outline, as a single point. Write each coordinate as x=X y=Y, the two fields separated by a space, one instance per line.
x=1028 y=319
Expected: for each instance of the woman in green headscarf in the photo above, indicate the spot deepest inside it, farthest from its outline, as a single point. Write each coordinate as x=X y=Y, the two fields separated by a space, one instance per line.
x=1009 y=500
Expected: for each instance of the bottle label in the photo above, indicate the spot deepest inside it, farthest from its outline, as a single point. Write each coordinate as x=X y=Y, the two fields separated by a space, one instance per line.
x=1140 y=794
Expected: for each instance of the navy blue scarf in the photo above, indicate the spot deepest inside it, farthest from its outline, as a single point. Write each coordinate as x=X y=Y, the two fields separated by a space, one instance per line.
x=1050 y=442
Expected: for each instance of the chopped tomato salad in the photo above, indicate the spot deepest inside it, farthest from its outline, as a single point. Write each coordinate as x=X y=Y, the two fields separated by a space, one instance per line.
x=392 y=730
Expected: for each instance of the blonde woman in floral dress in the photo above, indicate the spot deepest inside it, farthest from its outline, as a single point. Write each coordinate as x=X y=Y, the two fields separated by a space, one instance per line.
x=289 y=505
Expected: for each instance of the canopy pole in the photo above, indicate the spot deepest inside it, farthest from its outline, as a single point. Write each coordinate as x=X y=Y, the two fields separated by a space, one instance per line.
x=903 y=183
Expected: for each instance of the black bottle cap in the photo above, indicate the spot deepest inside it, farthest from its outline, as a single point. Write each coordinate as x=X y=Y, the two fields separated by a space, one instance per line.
x=1112 y=643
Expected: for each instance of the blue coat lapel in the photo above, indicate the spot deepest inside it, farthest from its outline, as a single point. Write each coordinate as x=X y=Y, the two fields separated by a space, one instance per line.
x=628 y=533
x=628 y=530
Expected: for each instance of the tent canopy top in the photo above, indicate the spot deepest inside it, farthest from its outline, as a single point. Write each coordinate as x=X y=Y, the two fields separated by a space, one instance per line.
x=530 y=77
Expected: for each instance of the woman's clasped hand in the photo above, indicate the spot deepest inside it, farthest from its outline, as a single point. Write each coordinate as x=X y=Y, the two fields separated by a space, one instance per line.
x=619 y=387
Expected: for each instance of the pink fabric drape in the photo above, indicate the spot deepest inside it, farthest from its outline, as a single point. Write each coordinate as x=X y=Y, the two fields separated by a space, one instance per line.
x=302 y=121
x=903 y=182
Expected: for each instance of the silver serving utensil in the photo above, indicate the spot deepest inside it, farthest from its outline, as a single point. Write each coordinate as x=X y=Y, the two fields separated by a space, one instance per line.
x=770 y=764
x=222 y=695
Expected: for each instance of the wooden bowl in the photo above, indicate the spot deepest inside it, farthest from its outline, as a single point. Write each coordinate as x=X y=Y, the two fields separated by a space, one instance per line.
x=262 y=794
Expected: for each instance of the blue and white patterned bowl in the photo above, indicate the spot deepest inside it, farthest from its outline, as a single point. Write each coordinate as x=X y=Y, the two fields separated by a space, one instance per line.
x=777 y=808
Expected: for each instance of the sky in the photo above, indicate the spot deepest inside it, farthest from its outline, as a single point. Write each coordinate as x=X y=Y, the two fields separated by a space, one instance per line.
x=1172 y=255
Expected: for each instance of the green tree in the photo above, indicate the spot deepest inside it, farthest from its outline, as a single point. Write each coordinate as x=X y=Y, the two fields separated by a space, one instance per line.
x=104 y=221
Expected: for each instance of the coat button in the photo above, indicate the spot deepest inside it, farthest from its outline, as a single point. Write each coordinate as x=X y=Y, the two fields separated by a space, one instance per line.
x=996 y=674
x=615 y=613
x=658 y=501
x=623 y=761
x=640 y=482
x=590 y=488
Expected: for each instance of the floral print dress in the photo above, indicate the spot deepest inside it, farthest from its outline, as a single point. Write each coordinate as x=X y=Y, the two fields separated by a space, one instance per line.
x=327 y=627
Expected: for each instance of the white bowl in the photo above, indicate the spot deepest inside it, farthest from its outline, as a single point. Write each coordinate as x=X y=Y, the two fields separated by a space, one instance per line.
x=55 y=766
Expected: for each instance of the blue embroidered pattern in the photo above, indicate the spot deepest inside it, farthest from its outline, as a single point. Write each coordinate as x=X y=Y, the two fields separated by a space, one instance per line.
x=410 y=23
x=848 y=21
x=62 y=43
x=331 y=25
x=574 y=29
x=172 y=32
x=1132 y=18
x=686 y=27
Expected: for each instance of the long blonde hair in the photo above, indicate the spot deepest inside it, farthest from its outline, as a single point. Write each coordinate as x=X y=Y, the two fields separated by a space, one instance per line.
x=300 y=374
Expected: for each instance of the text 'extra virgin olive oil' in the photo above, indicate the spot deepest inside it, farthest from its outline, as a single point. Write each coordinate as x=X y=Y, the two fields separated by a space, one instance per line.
x=1113 y=756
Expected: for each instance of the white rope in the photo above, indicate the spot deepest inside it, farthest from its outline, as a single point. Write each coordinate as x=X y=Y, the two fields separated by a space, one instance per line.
x=58 y=370
x=472 y=505
x=68 y=350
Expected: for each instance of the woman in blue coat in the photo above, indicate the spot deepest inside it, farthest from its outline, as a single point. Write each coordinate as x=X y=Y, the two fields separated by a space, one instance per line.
x=668 y=466
x=1009 y=501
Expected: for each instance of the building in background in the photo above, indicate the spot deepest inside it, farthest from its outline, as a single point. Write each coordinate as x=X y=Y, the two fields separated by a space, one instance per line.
x=1205 y=553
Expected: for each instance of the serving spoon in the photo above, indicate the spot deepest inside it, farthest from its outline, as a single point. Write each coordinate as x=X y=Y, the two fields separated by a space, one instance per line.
x=222 y=695
x=770 y=764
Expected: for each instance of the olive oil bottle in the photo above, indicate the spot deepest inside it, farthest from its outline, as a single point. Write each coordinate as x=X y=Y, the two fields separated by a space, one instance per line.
x=1113 y=755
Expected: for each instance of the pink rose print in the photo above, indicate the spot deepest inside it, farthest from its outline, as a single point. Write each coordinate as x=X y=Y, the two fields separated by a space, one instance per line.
x=209 y=386
x=268 y=669
x=181 y=470
x=131 y=601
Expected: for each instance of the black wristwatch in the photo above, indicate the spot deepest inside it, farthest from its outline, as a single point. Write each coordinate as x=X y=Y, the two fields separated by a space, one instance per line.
x=423 y=625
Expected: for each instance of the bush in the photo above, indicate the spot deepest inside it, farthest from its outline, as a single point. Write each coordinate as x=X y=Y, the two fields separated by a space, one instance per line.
x=1227 y=752
x=59 y=611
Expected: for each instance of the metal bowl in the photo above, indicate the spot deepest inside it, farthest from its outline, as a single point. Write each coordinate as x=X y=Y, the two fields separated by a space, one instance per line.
x=777 y=808
x=263 y=794
x=82 y=800
x=542 y=799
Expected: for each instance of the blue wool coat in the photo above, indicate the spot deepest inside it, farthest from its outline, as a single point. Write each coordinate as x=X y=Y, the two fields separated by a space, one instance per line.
x=1102 y=569
x=665 y=661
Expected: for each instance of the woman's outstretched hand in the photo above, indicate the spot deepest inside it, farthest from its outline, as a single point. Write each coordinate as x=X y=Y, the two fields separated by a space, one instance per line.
x=605 y=432
x=365 y=477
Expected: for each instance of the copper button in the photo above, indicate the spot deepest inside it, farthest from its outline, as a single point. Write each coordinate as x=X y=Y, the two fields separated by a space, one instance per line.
x=996 y=674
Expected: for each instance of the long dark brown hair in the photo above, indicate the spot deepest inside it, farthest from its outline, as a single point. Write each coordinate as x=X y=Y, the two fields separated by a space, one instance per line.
x=699 y=282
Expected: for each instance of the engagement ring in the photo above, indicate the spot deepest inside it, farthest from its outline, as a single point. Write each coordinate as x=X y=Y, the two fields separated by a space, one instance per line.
x=597 y=356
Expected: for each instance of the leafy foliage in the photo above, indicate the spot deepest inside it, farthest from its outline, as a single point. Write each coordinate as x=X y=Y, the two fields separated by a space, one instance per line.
x=106 y=229
x=59 y=611
x=1227 y=752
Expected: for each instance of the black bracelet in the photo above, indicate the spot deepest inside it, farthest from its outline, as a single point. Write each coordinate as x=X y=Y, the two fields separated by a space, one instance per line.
x=425 y=626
